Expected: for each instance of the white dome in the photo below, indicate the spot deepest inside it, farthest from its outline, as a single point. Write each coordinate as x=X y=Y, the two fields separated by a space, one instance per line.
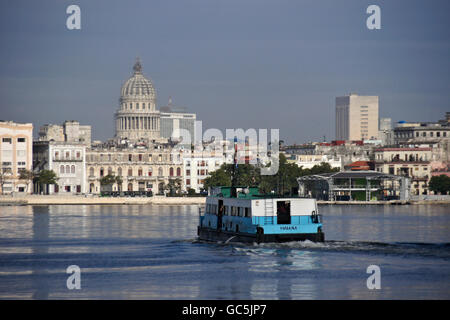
x=138 y=88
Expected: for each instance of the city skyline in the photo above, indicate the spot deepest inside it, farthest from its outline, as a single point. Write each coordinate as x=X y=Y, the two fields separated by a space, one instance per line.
x=236 y=65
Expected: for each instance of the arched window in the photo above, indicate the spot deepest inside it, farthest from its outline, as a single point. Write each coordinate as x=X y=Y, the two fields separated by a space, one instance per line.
x=102 y=172
x=67 y=169
x=110 y=171
x=61 y=169
x=178 y=171
x=130 y=187
x=171 y=171
x=91 y=172
x=140 y=172
x=130 y=172
x=160 y=171
x=150 y=172
x=72 y=169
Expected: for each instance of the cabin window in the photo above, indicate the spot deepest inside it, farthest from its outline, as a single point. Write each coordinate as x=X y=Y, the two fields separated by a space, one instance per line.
x=225 y=210
x=248 y=212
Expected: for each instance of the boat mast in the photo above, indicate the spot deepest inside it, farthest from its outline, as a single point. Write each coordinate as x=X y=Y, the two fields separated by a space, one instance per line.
x=235 y=164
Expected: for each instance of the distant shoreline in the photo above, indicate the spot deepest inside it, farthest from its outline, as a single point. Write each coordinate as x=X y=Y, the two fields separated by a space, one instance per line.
x=161 y=200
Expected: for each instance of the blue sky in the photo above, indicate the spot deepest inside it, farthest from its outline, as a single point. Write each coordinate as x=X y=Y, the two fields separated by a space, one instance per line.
x=236 y=63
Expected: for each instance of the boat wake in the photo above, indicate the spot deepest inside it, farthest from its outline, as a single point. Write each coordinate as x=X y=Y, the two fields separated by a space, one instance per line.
x=434 y=250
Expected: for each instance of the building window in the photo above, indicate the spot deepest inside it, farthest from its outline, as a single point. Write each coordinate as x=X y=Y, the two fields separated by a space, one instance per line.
x=61 y=169
x=102 y=172
x=67 y=169
x=6 y=140
x=171 y=172
x=67 y=154
x=188 y=182
x=110 y=173
x=130 y=157
x=20 y=139
x=150 y=172
x=188 y=173
x=140 y=172
x=140 y=157
x=72 y=169
x=160 y=172
x=119 y=172
x=91 y=172
x=178 y=172
x=130 y=172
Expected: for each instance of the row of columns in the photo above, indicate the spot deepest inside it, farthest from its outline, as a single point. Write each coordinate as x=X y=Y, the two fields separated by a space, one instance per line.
x=138 y=123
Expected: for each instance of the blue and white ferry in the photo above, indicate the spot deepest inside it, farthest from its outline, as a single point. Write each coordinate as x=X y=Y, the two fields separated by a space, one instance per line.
x=241 y=214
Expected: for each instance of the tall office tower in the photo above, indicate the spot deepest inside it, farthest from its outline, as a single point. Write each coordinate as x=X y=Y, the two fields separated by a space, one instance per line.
x=356 y=117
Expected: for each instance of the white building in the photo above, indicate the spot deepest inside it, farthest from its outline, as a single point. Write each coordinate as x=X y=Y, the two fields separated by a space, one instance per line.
x=67 y=160
x=197 y=168
x=16 y=154
x=356 y=117
x=311 y=160
x=175 y=120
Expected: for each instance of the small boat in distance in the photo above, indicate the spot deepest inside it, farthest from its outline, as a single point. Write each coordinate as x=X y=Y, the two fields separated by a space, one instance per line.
x=242 y=214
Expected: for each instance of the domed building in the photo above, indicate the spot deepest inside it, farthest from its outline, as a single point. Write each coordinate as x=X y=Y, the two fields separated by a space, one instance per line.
x=137 y=117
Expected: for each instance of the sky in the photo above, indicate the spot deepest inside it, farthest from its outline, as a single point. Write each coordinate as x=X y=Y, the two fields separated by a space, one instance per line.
x=235 y=63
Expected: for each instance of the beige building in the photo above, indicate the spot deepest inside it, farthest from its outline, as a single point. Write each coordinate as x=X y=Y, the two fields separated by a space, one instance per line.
x=16 y=154
x=139 y=168
x=414 y=163
x=356 y=117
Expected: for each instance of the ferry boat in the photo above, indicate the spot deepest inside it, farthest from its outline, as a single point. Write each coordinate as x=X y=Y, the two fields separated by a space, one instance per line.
x=242 y=214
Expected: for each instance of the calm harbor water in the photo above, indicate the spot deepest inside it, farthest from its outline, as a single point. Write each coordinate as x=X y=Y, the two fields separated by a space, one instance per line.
x=151 y=252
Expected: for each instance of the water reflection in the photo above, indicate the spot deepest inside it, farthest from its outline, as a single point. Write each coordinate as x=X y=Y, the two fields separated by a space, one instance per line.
x=39 y=245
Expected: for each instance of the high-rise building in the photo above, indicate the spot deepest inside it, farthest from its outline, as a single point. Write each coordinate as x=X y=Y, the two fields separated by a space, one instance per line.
x=356 y=117
x=176 y=122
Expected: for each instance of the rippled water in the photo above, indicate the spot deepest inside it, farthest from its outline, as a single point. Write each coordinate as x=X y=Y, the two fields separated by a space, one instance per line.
x=151 y=252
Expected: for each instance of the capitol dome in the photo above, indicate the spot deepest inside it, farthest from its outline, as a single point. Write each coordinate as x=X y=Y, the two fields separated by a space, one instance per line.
x=137 y=117
x=138 y=91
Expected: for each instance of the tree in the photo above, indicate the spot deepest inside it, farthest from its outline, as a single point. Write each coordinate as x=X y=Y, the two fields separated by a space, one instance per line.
x=440 y=184
x=220 y=177
x=46 y=177
x=174 y=186
x=26 y=175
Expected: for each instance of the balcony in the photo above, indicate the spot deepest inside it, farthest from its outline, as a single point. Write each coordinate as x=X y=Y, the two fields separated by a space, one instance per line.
x=70 y=159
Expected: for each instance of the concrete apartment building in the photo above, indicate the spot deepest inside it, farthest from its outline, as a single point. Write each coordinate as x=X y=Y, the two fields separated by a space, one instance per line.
x=16 y=154
x=356 y=117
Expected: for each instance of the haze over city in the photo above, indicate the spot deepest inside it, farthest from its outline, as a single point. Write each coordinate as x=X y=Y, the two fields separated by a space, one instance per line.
x=236 y=64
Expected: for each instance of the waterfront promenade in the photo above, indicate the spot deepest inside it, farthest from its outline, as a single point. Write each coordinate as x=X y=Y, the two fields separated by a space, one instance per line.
x=82 y=199
x=162 y=200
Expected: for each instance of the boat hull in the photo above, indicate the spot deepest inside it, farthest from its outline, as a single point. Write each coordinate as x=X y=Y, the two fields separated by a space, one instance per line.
x=209 y=234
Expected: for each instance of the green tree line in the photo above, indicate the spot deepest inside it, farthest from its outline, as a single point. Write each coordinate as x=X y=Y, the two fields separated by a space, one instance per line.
x=282 y=182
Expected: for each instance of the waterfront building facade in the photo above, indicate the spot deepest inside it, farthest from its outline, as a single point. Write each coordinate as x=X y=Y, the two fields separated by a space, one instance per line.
x=414 y=163
x=356 y=117
x=197 y=167
x=16 y=154
x=67 y=160
x=139 y=168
